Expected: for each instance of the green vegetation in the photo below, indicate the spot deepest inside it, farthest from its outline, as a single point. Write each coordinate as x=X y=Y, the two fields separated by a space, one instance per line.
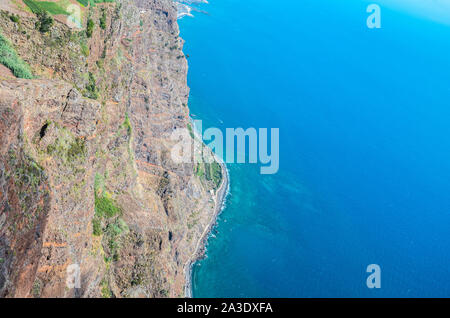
x=85 y=3
x=192 y=220
x=106 y=291
x=76 y=149
x=28 y=178
x=45 y=6
x=30 y=174
x=36 y=290
x=14 y=18
x=102 y=21
x=97 y=226
x=214 y=173
x=164 y=185
x=44 y=11
x=92 y=3
x=10 y=59
x=102 y=1
x=90 y=28
x=191 y=132
x=211 y=172
x=91 y=90
x=199 y=170
x=100 y=63
x=84 y=49
x=68 y=148
x=113 y=230
x=107 y=213
x=127 y=124
x=33 y=5
x=103 y=53
x=45 y=22
x=52 y=7
x=105 y=206
x=99 y=183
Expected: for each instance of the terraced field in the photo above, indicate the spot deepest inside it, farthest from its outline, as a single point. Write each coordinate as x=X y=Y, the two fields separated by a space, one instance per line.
x=59 y=7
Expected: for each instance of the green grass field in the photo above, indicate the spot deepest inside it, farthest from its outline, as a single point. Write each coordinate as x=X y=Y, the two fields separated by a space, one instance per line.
x=51 y=7
x=85 y=3
x=58 y=7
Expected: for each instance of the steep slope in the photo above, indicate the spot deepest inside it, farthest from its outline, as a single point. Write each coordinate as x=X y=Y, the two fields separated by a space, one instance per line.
x=87 y=179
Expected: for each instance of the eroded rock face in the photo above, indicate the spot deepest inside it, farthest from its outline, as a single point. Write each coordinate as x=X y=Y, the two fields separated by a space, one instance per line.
x=45 y=152
x=89 y=184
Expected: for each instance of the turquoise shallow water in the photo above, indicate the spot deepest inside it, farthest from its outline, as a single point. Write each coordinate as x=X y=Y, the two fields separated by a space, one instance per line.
x=364 y=124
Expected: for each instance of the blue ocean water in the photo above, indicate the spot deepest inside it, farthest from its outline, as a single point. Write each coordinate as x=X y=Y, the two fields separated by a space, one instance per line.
x=364 y=118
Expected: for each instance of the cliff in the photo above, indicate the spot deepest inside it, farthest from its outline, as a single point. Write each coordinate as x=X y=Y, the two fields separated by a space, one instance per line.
x=86 y=178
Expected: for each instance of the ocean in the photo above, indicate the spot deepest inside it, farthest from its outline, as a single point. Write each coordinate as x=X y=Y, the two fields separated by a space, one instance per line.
x=364 y=119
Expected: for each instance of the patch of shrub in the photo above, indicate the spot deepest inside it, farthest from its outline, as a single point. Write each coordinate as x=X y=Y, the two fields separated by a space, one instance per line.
x=191 y=132
x=76 y=149
x=70 y=150
x=107 y=220
x=85 y=50
x=99 y=183
x=113 y=230
x=103 y=19
x=213 y=172
x=104 y=53
x=105 y=206
x=100 y=63
x=106 y=291
x=37 y=286
x=90 y=28
x=10 y=59
x=199 y=170
x=127 y=124
x=45 y=22
x=97 y=226
x=14 y=18
x=91 y=88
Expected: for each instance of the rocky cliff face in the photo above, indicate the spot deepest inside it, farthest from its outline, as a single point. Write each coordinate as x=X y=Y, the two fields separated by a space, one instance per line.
x=86 y=178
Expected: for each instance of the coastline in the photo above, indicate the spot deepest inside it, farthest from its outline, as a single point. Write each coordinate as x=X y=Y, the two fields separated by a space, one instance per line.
x=220 y=199
x=220 y=195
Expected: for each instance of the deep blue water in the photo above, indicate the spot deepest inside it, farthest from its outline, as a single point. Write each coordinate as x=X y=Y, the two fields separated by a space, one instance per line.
x=364 y=118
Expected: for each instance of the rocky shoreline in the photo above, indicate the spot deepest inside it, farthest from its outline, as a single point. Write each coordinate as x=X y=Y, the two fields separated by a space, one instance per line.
x=200 y=251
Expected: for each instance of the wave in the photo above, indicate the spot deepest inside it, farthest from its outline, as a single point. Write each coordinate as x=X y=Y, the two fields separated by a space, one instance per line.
x=185 y=7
